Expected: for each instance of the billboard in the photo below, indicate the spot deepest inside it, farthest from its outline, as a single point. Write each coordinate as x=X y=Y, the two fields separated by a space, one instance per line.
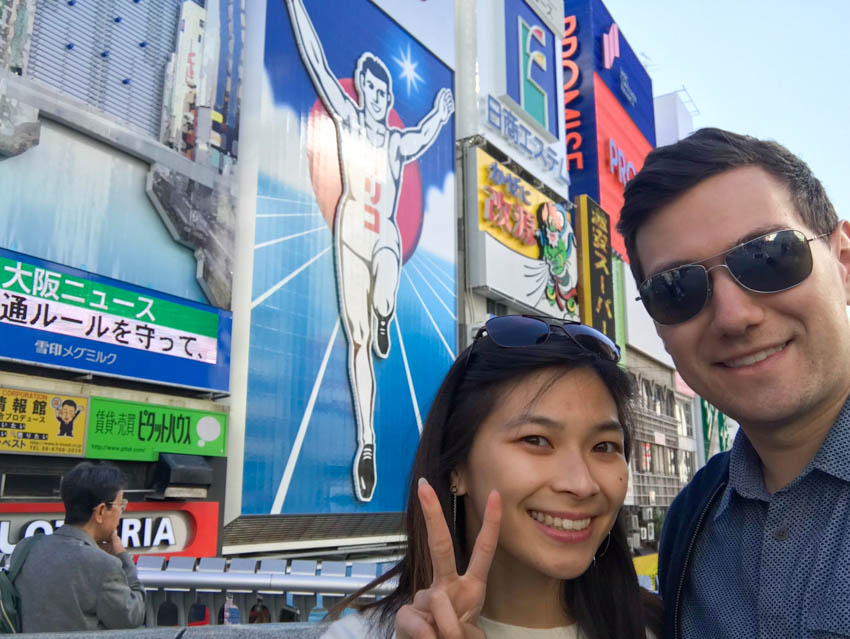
x=121 y=429
x=514 y=79
x=35 y=423
x=595 y=271
x=353 y=321
x=57 y=316
x=188 y=529
x=521 y=244
x=609 y=113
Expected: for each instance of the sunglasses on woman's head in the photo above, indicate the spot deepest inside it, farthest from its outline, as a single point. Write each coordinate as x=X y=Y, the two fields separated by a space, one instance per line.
x=770 y=263
x=512 y=331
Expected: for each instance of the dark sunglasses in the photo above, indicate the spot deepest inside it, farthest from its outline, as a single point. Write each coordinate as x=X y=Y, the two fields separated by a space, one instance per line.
x=770 y=263
x=510 y=331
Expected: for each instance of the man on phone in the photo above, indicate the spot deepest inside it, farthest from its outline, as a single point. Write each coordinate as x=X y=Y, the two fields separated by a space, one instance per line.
x=743 y=264
x=80 y=577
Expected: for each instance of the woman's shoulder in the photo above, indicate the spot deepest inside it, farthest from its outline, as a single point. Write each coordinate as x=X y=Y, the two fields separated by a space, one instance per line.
x=352 y=626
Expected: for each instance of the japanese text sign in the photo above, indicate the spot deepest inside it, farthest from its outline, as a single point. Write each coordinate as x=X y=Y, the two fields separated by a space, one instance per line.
x=596 y=281
x=127 y=430
x=42 y=423
x=508 y=206
x=58 y=316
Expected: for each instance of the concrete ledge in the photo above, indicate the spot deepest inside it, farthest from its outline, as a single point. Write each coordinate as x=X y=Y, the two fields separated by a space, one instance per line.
x=256 y=631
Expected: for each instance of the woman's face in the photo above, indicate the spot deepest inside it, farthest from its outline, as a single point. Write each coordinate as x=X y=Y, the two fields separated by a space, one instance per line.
x=557 y=460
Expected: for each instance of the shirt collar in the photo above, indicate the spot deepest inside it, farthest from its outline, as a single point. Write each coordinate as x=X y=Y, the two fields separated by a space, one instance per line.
x=745 y=476
x=833 y=457
x=76 y=533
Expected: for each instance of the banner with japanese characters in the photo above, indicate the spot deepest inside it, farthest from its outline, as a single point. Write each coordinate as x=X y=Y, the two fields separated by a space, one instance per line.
x=595 y=269
x=58 y=316
x=37 y=423
x=525 y=248
x=138 y=431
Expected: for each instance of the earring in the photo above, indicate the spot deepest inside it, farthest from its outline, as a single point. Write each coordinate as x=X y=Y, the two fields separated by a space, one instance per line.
x=597 y=555
x=454 y=509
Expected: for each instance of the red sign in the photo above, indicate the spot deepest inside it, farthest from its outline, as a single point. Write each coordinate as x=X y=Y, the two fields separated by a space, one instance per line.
x=170 y=529
x=622 y=148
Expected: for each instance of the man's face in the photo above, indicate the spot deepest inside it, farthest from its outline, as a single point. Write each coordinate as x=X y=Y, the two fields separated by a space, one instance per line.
x=800 y=337
x=68 y=412
x=375 y=95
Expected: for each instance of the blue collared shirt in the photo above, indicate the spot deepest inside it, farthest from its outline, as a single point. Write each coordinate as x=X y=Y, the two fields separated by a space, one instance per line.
x=775 y=566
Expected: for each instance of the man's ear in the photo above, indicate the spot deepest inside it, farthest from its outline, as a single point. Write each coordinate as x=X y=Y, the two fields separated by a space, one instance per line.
x=98 y=512
x=840 y=242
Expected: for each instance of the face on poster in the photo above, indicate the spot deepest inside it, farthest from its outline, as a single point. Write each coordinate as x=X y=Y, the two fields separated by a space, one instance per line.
x=354 y=298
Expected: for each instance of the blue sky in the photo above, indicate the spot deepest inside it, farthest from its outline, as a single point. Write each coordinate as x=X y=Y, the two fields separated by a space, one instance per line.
x=773 y=69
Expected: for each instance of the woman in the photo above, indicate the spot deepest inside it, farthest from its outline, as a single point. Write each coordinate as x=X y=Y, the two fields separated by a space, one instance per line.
x=519 y=477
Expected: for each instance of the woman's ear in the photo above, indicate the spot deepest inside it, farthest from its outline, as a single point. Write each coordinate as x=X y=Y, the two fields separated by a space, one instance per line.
x=458 y=481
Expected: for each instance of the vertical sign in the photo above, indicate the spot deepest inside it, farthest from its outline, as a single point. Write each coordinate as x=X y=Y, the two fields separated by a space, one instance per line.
x=596 y=281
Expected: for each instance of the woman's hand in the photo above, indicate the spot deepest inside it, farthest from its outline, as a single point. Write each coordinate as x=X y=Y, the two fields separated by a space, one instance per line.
x=450 y=607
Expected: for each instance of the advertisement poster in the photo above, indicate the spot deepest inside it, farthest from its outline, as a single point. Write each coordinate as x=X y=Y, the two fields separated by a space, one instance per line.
x=525 y=247
x=354 y=303
x=595 y=272
x=42 y=423
x=57 y=316
x=136 y=431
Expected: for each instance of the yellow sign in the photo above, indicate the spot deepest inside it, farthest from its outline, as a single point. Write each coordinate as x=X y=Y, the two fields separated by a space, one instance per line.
x=42 y=423
x=508 y=207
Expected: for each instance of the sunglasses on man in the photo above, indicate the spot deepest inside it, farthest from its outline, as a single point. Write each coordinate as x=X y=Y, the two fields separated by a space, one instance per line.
x=770 y=263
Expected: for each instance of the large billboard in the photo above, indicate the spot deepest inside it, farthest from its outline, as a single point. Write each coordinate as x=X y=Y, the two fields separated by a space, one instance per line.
x=353 y=321
x=520 y=244
x=57 y=316
x=608 y=108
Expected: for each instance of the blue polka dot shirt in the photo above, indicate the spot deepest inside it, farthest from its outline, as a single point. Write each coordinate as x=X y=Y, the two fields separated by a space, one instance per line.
x=775 y=566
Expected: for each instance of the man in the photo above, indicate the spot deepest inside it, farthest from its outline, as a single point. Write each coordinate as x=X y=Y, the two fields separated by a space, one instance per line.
x=66 y=415
x=743 y=265
x=80 y=577
x=367 y=242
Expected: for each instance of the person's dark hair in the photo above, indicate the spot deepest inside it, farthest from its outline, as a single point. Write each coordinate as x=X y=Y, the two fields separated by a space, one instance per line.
x=369 y=62
x=85 y=486
x=606 y=600
x=670 y=171
x=71 y=403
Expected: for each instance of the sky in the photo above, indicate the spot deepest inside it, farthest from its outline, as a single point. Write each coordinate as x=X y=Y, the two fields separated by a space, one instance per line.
x=775 y=69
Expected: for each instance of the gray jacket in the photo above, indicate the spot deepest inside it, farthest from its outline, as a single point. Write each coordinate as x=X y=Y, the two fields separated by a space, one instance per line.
x=67 y=583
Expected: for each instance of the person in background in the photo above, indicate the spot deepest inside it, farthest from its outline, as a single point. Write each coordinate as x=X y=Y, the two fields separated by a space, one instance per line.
x=743 y=264
x=512 y=517
x=80 y=577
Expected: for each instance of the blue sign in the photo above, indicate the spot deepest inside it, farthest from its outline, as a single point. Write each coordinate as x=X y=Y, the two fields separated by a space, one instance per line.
x=58 y=316
x=618 y=66
x=531 y=51
x=353 y=321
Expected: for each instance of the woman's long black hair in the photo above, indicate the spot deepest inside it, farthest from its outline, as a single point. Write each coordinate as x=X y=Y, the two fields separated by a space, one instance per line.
x=605 y=601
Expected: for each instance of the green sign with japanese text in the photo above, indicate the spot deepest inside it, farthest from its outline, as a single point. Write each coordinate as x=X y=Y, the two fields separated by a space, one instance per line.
x=120 y=429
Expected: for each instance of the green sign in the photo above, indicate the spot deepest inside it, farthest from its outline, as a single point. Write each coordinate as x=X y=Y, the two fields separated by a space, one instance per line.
x=125 y=430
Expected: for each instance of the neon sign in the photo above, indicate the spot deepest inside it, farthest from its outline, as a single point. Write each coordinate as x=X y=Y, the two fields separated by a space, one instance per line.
x=621 y=167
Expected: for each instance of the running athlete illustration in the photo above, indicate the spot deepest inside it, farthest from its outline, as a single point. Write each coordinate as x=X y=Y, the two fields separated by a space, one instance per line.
x=367 y=242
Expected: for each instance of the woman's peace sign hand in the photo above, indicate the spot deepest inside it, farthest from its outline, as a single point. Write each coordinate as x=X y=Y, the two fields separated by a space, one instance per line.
x=450 y=607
